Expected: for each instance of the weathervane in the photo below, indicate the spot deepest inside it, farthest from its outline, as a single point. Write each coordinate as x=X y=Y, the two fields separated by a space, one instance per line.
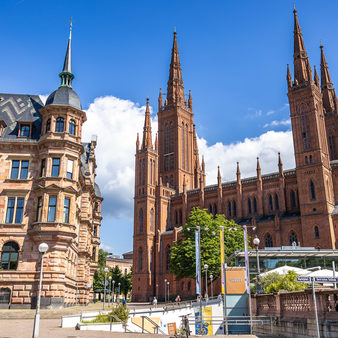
x=70 y=27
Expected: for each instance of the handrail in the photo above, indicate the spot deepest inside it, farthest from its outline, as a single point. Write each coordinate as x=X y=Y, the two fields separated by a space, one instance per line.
x=156 y=326
x=119 y=321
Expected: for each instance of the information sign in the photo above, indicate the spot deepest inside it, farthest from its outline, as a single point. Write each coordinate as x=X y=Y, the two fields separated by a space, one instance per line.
x=317 y=279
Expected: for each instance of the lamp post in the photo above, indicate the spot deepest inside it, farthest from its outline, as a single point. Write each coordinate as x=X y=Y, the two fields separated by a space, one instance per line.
x=211 y=277
x=43 y=247
x=206 y=280
x=119 y=290
x=168 y=283
x=113 y=288
x=109 y=283
x=157 y=291
x=105 y=286
x=259 y=289
x=165 y=290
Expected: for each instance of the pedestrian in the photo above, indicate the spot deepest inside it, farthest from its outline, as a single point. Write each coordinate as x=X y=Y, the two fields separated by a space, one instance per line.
x=155 y=302
x=124 y=302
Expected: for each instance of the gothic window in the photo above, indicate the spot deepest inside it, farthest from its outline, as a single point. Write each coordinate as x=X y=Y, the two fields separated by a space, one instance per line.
x=255 y=204
x=182 y=286
x=332 y=147
x=189 y=286
x=268 y=241
x=229 y=209
x=60 y=125
x=276 y=202
x=166 y=180
x=316 y=232
x=176 y=217
x=141 y=219
x=293 y=238
x=48 y=125
x=182 y=146
x=270 y=203
x=186 y=148
x=152 y=220
x=151 y=260
x=234 y=207
x=140 y=173
x=215 y=209
x=312 y=191
x=171 y=162
x=143 y=172
x=181 y=219
x=71 y=127
x=249 y=206
x=166 y=163
x=171 y=138
x=305 y=128
x=171 y=181
x=293 y=199
x=166 y=139
x=9 y=256
x=140 y=259
x=167 y=258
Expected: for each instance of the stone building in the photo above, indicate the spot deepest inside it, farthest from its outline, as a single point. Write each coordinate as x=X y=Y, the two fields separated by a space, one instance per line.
x=124 y=263
x=47 y=194
x=287 y=207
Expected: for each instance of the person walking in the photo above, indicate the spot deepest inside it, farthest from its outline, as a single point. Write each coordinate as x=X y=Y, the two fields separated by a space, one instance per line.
x=155 y=302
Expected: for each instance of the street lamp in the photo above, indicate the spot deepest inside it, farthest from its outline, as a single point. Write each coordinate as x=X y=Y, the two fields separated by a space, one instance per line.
x=109 y=283
x=119 y=290
x=211 y=277
x=206 y=280
x=43 y=247
x=165 y=290
x=113 y=288
x=157 y=291
x=105 y=285
x=259 y=289
x=168 y=290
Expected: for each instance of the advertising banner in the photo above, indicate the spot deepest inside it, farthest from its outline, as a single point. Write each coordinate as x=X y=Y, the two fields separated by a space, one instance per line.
x=198 y=263
x=221 y=234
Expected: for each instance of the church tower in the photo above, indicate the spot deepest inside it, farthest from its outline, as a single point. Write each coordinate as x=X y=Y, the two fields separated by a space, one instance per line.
x=313 y=169
x=178 y=152
x=146 y=179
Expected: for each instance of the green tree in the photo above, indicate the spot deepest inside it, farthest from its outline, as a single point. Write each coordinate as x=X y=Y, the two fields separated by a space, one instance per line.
x=98 y=280
x=126 y=284
x=182 y=255
x=288 y=283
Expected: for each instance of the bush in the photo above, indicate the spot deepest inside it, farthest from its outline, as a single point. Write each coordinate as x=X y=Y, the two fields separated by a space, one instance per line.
x=274 y=282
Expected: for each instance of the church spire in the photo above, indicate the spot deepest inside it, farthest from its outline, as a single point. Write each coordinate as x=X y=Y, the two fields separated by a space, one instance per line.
x=302 y=69
x=147 y=142
x=190 y=100
x=327 y=87
x=175 y=90
x=280 y=165
x=258 y=169
x=160 y=101
x=289 y=77
x=137 y=143
x=66 y=74
x=316 y=77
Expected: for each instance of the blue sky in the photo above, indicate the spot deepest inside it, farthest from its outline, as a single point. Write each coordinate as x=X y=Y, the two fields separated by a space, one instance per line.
x=233 y=56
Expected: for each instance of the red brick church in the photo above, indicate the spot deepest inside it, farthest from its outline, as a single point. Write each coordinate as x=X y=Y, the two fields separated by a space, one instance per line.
x=286 y=206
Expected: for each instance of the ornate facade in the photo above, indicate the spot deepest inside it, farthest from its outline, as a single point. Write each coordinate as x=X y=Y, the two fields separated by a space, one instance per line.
x=287 y=207
x=47 y=194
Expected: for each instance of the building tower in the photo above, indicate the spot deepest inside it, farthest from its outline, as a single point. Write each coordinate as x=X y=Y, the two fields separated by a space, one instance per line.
x=177 y=139
x=313 y=169
x=146 y=179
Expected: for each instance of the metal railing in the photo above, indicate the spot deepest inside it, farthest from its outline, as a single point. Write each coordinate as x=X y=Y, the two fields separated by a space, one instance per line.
x=156 y=327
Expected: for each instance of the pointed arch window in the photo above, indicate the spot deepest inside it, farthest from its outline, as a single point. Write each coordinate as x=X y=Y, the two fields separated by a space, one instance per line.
x=270 y=203
x=305 y=128
x=255 y=204
x=293 y=238
x=141 y=219
x=316 y=232
x=140 y=259
x=276 y=202
x=176 y=217
x=48 y=125
x=171 y=138
x=249 y=206
x=60 y=125
x=293 y=199
x=171 y=183
x=181 y=219
x=215 y=209
x=152 y=220
x=166 y=139
x=151 y=260
x=167 y=258
x=143 y=172
x=186 y=148
x=140 y=172
x=9 y=256
x=229 y=209
x=268 y=241
x=234 y=207
x=312 y=190
x=182 y=147
x=71 y=127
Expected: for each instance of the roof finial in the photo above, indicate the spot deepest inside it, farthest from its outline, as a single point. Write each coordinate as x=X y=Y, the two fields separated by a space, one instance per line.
x=66 y=74
x=70 y=28
x=174 y=29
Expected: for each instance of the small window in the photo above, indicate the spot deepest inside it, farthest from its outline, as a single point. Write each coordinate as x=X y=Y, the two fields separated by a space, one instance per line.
x=24 y=169
x=249 y=206
x=270 y=203
x=94 y=254
x=38 y=210
x=60 y=125
x=234 y=208
x=316 y=232
x=255 y=204
x=182 y=286
x=24 y=130
x=70 y=165
x=95 y=231
x=215 y=209
x=276 y=202
x=189 y=286
x=210 y=209
x=293 y=238
x=140 y=259
x=141 y=219
x=71 y=127
x=167 y=258
x=19 y=169
x=48 y=125
x=66 y=206
x=15 y=169
x=268 y=241
x=14 y=211
x=229 y=209
x=9 y=256
x=43 y=168
x=52 y=209
x=312 y=191
x=55 y=167
x=293 y=199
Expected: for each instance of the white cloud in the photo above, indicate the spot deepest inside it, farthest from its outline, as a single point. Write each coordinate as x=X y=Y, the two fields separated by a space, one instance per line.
x=106 y=247
x=117 y=121
x=270 y=112
x=276 y=123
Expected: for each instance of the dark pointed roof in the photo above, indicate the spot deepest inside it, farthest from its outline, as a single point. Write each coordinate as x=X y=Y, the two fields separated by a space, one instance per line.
x=147 y=138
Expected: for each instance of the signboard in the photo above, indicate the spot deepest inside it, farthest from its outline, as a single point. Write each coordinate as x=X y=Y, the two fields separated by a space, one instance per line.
x=171 y=328
x=235 y=281
x=303 y=279
x=318 y=279
x=207 y=315
x=221 y=234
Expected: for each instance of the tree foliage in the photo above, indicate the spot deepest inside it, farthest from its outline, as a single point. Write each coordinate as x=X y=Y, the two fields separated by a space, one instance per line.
x=273 y=283
x=182 y=255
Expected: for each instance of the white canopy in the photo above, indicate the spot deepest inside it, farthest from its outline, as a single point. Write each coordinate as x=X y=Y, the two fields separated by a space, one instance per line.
x=283 y=270
x=319 y=273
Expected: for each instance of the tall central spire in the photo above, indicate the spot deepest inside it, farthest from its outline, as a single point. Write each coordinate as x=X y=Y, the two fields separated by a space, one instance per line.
x=147 y=139
x=66 y=74
x=175 y=90
x=302 y=69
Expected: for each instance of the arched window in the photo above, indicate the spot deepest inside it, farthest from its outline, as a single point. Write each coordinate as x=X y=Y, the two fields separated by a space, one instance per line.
x=176 y=217
x=189 y=286
x=210 y=209
x=140 y=173
x=60 y=125
x=249 y=206
x=171 y=138
x=166 y=139
x=255 y=204
x=215 y=209
x=268 y=241
x=140 y=259
x=141 y=219
x=276 y=202
x=293 y=238
x=186 y=148
x=71 y=127
x=182 y=145
x=171 y=181
x=229 y=209
x=9 y=256
x=151 y=260
x=270 y=203
x=316 y=232
x=181 y=219
x=152 y=220
x=293 y=199
x=167 y=258
x=48 y=125
x=143 y=172
x=305 y=128
x=312 y=191
x=234 y=207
